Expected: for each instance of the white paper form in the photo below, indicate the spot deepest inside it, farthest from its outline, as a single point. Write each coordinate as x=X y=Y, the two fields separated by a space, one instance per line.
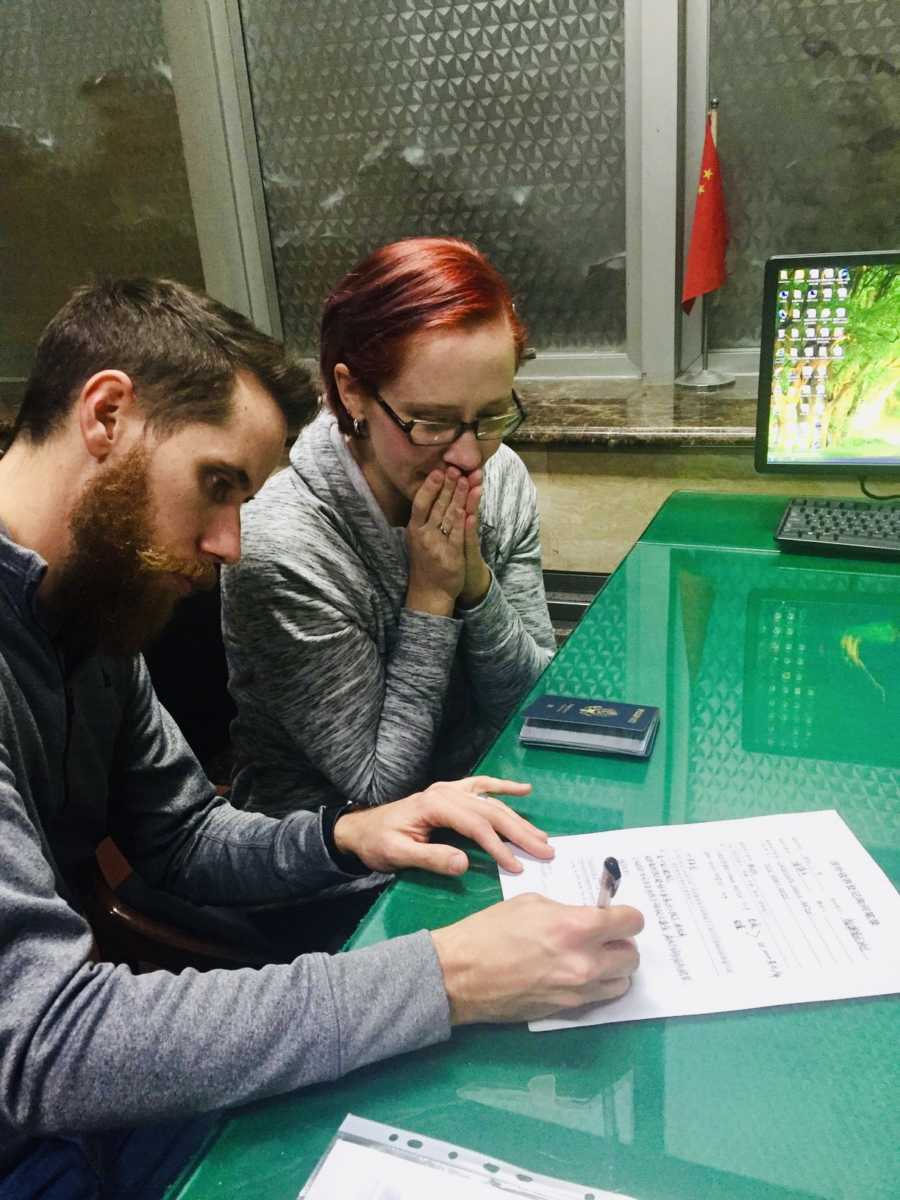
x=371 y=1161
x=739 y=914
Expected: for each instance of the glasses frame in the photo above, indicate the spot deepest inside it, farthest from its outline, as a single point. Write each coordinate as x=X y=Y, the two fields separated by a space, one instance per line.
x=461 y=426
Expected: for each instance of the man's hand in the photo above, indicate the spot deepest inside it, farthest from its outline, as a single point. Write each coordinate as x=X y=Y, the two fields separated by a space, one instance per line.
x=393 y=836
x=529 y=957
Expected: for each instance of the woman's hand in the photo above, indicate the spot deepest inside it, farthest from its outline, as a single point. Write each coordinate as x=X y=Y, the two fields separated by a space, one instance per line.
x=478 y=575
x=435 y=540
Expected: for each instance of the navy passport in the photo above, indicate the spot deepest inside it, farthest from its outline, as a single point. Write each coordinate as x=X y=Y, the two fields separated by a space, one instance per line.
x=598 y=726
x=600 y=716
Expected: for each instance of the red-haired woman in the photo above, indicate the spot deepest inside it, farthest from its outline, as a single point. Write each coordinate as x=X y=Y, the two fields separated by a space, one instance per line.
x=388 y=612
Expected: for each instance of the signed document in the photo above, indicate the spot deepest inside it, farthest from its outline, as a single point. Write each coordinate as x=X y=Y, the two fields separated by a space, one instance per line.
x=739 y=914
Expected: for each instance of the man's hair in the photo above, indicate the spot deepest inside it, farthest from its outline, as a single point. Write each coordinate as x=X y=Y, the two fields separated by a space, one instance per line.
x=180 y=348
x=400 y=290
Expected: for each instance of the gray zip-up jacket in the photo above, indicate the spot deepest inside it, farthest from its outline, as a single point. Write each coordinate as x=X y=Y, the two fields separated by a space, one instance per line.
x=85 y=751
x=341 y=690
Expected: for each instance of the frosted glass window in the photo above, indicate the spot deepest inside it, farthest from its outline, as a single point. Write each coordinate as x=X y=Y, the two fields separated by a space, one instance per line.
x=499 y=122
x=93 y=179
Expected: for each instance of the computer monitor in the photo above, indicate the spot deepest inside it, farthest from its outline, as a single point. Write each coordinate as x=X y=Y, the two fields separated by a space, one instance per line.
x=829 y=370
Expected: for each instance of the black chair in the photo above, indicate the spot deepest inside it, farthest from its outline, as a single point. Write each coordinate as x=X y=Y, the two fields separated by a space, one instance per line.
x=190 y=674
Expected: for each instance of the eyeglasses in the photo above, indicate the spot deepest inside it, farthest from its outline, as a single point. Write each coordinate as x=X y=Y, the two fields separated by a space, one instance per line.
x=441 y=433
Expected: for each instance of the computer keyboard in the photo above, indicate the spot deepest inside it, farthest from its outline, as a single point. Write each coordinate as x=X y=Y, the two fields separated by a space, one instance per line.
x=849 y=528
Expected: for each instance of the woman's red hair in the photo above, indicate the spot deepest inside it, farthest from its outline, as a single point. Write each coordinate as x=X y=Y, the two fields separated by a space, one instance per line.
x=398 y=291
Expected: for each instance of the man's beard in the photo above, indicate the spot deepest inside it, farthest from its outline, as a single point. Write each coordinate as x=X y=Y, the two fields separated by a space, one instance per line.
x=112 y=594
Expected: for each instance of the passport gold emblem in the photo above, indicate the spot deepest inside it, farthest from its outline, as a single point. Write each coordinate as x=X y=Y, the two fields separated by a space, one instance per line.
x=597 y=710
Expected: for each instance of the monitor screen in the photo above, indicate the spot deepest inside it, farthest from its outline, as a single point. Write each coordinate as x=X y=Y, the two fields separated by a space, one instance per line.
x=829 y=371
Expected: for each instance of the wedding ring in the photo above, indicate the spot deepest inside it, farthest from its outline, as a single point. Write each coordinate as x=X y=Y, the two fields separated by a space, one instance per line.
x=445 y=532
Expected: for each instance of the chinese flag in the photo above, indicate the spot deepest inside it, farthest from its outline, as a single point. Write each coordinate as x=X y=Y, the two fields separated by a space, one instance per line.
x=705 y=270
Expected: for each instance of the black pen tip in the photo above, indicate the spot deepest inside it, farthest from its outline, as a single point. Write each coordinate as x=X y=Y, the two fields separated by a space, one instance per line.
x=613 y=867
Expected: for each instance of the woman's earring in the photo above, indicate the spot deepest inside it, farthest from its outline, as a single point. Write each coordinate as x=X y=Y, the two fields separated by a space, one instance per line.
x=359 y=428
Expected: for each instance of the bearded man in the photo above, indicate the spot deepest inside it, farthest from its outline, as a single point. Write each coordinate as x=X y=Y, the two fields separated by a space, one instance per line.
x=152 y=414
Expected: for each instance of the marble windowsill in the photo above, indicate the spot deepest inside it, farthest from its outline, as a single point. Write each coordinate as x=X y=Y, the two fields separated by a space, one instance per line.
x=622 y=413
x=614 y=413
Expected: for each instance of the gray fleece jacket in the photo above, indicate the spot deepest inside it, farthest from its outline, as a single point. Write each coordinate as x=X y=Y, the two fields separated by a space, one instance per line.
x=341 y=690
x=86 y=750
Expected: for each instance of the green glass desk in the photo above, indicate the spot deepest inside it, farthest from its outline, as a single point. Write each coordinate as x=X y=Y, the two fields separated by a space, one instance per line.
x=779 y=682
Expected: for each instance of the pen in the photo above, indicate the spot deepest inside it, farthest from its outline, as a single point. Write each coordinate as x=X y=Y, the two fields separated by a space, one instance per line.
x=609 y=882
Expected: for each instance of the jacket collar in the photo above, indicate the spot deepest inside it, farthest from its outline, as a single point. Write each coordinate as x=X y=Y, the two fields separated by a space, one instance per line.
x=326 y=468
x=21 y=572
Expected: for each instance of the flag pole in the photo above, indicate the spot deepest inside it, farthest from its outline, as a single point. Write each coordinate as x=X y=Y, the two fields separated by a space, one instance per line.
x=702 y=377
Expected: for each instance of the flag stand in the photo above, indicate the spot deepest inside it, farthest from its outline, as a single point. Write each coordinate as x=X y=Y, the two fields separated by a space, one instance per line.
x=702 y=377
